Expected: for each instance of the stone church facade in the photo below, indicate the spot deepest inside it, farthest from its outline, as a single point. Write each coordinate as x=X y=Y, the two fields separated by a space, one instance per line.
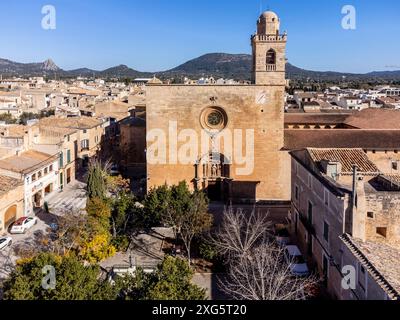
x=237 y=153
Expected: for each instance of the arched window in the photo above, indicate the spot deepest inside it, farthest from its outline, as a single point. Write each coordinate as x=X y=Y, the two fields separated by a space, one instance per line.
x=271 y=57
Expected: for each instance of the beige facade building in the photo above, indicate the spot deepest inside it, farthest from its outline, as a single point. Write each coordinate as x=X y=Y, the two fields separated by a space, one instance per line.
x=90 y=133
x=39 y=174
x=63 y=143
x=253 y=114
x=346 y=212
x=11 y=201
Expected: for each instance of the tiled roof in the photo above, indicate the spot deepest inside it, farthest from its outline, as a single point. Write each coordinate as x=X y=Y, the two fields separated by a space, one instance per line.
x=347 y=157
x=75 y=122
x=381 y=261
x=14 y=130
x=392 y=178
x=27 y=162
x=375 y=119
x=8 y=184
x=342 y=138
x=304 y=118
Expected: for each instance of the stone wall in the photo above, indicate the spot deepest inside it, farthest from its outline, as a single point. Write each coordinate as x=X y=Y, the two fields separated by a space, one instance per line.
x=247 y=107
x=12 y=198
x=384 y=212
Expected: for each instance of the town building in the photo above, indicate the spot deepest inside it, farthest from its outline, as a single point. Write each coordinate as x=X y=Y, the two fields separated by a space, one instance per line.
x=11 y=201
x=39 y=173
x=90 y=133
x=222 y=109
x=346 y=212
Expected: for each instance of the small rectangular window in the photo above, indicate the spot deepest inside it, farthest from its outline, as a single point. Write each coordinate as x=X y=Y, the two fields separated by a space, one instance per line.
x=395 y=165
x=326 y=197
x=370 y=215
x=382 y=232
x=34 y=177
x=51 y=168
x=310 y=212
x=326 y=231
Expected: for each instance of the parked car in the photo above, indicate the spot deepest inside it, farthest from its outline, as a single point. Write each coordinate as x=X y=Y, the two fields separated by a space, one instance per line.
x=282 y=236
x=298 y=265
x=23 y=224
x=5 y=242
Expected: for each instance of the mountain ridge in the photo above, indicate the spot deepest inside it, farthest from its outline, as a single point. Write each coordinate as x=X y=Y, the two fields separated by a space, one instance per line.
x=218 y=65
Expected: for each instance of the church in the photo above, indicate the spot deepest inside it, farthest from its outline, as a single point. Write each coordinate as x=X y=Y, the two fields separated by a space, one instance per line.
x=225 y=139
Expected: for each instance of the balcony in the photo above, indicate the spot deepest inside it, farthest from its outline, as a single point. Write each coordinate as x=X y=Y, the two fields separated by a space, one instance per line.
x=271 y=67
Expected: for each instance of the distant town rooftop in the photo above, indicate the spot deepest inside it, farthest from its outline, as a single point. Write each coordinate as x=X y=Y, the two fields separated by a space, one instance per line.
x=74 y=122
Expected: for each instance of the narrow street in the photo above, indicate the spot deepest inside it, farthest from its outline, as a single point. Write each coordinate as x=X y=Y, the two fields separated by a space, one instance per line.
x=72 y=198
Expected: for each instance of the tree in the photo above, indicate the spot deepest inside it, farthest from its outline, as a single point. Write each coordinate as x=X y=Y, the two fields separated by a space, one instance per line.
x=97 y=248
x=241 y=232
x=264 y=275
x=8 y=118
x=96 y=181
x=155 y=206
x=95 y=244
x=256 y=266
x=196 y=221
x=122 y=213
x=177 y=207
x=99 y=214
x=74 y=281
x=171 y=281
x=71 y=229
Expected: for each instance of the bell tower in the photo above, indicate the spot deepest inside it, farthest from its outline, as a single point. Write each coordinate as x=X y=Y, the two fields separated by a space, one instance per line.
x=269 y=51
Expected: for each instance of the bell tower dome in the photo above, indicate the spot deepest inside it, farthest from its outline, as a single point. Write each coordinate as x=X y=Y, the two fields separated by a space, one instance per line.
x=269 y=51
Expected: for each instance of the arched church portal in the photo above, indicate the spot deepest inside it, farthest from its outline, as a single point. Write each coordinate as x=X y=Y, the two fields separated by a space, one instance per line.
x=212 y=174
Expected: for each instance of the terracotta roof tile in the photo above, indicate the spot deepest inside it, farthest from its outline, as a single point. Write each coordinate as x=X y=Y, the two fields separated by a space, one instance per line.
x=347 y=157
x=375 y=119
x=342 y=138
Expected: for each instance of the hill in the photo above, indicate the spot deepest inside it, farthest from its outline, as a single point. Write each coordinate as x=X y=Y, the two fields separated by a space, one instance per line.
x=218 y=65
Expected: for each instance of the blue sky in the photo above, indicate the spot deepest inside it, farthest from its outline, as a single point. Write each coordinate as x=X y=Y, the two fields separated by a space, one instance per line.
x=154 y=35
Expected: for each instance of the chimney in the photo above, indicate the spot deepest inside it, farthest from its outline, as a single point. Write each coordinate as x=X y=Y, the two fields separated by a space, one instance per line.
x=332 y=169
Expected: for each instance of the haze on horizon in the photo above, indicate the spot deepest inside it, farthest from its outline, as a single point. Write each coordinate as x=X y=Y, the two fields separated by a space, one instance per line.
x=157 y=35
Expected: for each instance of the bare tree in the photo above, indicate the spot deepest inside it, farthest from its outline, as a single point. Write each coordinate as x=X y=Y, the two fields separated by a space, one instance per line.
x=257 y=269
x=71 y=227
x=264 y=275
x=240 y=232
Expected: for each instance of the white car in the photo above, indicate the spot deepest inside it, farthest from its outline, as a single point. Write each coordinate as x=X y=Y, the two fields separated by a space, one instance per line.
x=23 y=224
x=282 y=236
x=298 y=265
x=5 y=242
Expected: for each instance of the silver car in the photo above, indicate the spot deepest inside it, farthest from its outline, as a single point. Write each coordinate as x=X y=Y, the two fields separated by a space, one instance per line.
x=5 y=242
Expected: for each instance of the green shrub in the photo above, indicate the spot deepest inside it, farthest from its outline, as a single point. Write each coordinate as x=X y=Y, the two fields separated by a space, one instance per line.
x=121 y=243
x=207 y=251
